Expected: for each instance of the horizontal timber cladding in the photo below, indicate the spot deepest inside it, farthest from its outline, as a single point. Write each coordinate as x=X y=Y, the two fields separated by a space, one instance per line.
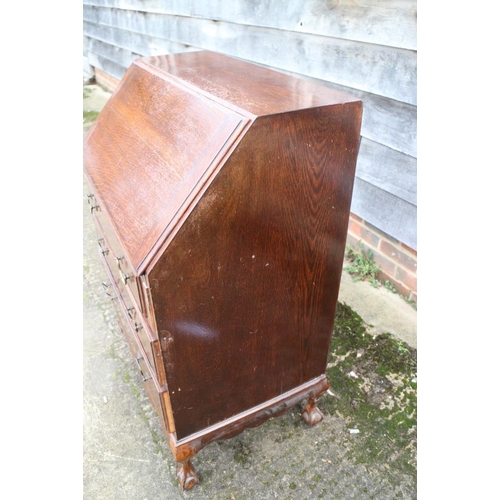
x=377 y=69
x=365 y=48
x=144 y=45
x=110 y=67
x=387 y=169
x=389 y=122
x=122 y=57
x=385 y=211
x=391 y=23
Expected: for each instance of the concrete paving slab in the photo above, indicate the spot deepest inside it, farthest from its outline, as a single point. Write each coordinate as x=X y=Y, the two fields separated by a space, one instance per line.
x=383 y=310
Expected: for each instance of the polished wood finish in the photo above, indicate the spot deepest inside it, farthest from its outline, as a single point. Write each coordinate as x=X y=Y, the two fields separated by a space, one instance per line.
x=311 y=414
x=221 y=194
x=186 y=475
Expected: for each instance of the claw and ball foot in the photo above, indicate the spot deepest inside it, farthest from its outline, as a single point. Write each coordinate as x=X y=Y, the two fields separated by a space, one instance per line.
x=186 y=475
x=311 y=413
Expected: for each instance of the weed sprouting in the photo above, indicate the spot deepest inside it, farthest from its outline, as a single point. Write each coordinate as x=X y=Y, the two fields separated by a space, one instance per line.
x=363 y=266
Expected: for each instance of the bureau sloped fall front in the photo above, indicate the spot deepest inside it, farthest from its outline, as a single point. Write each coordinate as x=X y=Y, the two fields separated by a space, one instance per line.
x=221 y=192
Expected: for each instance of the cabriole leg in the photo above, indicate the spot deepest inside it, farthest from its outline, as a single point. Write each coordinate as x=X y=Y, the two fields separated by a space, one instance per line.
x=186 y=475
x=311 y=413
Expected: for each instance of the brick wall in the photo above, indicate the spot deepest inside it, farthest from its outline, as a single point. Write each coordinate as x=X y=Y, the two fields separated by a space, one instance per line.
x=106 y=81
x=398 y=262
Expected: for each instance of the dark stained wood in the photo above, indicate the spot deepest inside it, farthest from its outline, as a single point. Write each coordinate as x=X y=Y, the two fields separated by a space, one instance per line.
x=186 y=448
x=142 y=175
x=186 y=475
x=254 y=305
x=266 y=92
x=311 y=414
x=221 y=193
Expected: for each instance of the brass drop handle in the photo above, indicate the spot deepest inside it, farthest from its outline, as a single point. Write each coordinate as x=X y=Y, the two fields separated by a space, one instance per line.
x=129 y=312
x=92 y=202
x=124 y=277
x=102 y=248
x=144 y=378
x=105 y=287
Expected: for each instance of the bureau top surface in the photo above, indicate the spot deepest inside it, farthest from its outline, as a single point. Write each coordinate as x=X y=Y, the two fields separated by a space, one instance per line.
x=249 y=87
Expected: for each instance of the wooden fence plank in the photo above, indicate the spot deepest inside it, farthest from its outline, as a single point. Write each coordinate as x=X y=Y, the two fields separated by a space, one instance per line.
x=123 y=58
x=389 y=122
x=391 y=23
x=387 y=169
x=143 y=45
x=385 y=211
x=110 y=67
x=372 y=68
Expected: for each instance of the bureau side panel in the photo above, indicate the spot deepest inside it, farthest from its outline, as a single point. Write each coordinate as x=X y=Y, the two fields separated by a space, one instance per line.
x=245 y=294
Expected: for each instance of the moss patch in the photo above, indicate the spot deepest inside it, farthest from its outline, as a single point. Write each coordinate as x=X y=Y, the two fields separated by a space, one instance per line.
x=90 y=116
x=242 y=453
x=374 y=382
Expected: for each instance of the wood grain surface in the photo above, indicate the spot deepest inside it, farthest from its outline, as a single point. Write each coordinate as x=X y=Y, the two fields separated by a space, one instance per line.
x=221 y=193
x=144 y=157
x=245 y=295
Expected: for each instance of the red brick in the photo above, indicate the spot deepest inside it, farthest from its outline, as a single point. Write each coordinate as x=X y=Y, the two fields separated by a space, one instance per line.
x=402 y=289
x=409 y=250
x=385 y=264
x=370 y=237
x=398 y=256
x=364 y=234
x=355 y=217
x=406 y=278
x=381 y=233
x=352 y=240
x=107 y=81
x=355 y=228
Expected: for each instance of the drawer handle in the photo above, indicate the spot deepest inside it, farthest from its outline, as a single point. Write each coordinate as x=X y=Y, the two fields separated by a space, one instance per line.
x=129 y=312
x=124 y=277
x=102 y=248
x=105 y=287
x=137 y=326
x=92 y=202
x=144 y=378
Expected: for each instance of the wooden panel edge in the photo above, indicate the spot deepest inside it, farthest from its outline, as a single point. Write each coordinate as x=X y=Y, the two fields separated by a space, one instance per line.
x=187 y=447
x=185 y=210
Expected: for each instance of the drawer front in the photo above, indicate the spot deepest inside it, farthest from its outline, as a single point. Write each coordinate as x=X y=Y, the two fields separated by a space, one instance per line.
x=130 y=313
x=123 y=272
x=144 y=366
x=151 y=386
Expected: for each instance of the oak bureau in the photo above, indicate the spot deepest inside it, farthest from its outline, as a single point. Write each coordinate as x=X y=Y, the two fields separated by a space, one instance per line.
x=221 y=193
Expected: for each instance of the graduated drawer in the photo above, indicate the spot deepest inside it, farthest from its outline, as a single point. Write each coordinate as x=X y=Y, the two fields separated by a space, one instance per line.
x=146 y=370
x=123 y=273
x=129 y=309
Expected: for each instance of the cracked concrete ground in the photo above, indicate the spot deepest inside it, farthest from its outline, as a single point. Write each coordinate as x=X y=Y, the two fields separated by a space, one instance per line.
x=126 y=455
